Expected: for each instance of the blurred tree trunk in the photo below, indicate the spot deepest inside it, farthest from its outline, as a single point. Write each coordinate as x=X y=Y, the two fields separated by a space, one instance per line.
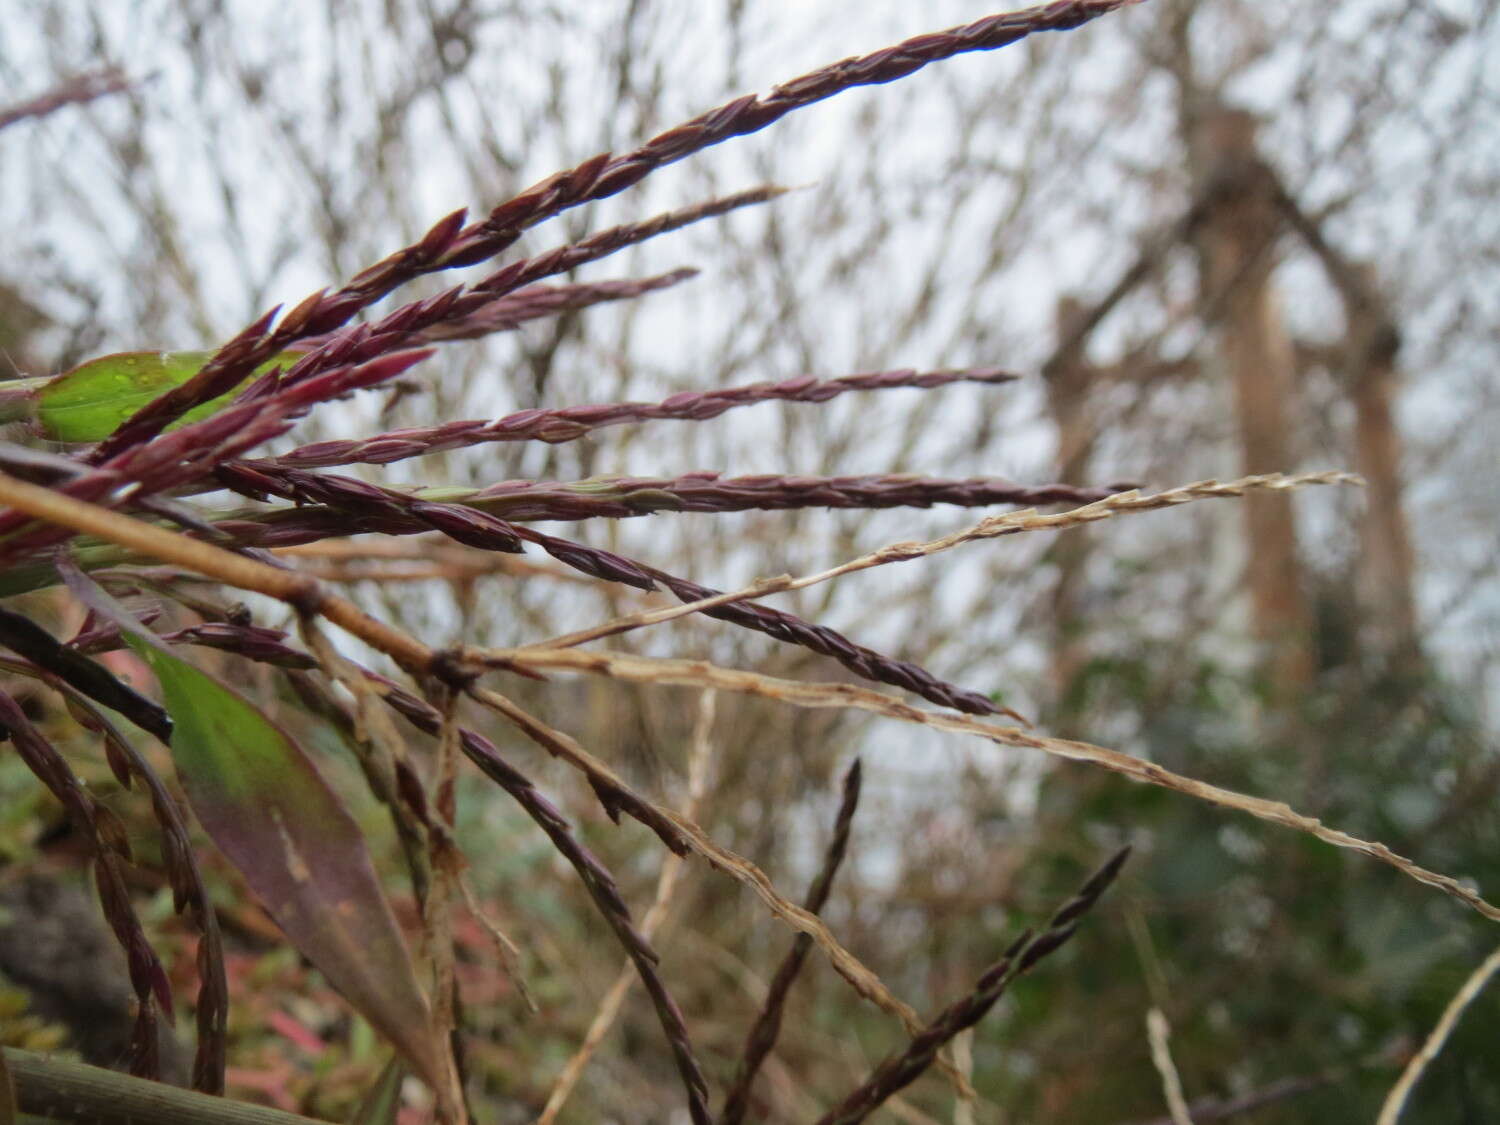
x=1068 y=377
x=1385 y=571
x=1236 y=244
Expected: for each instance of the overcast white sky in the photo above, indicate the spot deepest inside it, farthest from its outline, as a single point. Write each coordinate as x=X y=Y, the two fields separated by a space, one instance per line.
x=251 y=243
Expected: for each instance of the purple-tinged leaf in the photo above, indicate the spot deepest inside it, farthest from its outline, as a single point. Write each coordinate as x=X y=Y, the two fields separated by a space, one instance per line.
x=271 y=812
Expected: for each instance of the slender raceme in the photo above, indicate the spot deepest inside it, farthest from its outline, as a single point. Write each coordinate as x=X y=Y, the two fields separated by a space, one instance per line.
x=568 y=423
x=450 y=244
x=767 y=1026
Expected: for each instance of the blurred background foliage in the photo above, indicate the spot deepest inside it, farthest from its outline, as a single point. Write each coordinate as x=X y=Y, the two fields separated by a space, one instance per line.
x=266 y=150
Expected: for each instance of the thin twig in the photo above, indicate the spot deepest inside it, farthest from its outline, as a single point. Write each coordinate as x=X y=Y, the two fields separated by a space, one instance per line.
x=666 y=885
x=510 y=955
x=1395 y=1101
x=767 y=1026
x=446 y=863
x=327 y=556
x=1204 y=1110
x=72 y=91
x=432 y=858
x=1157 y=1033
x=963 y=1058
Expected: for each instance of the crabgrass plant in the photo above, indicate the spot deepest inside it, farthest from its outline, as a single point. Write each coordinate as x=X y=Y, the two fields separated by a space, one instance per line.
x=110 y=518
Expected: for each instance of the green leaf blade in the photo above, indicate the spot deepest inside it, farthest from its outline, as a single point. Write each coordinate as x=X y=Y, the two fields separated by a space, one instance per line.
x=382 y=1102
x=90 y=402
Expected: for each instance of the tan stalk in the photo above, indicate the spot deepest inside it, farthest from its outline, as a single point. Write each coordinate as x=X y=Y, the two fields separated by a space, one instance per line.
x=1396 y=1100
x=1011 y=523
x=963 y=1058
x=700 y=674
x=666 y=886
x=298 y=590
x=1158 y=1032
x=382 y=752
x=437 y=912
x=510 y=955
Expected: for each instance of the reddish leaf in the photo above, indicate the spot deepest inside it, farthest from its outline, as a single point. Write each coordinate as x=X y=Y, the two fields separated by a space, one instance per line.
x=277 y=820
